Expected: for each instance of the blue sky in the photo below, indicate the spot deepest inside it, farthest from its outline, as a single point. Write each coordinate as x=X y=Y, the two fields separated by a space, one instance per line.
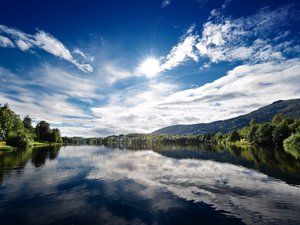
x=96 y=68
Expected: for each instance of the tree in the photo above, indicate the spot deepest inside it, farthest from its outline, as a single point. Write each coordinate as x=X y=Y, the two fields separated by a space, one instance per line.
x=281 y=132
x=55 y=136
x=252 y=123
x=42 y=131
x=19 y=139
x=264 y=134
x=278 y=119
x=9 y=122
x=27 y=122
x=218 y=137
x=292 y=145
x=233 y=136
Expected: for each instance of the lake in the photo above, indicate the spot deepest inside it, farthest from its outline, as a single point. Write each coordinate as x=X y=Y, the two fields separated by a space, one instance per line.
x=163 y=184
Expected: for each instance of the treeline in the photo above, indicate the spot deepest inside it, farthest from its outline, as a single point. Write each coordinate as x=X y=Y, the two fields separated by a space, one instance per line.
x=82 y=141
x=21 y=133
x=281 y=131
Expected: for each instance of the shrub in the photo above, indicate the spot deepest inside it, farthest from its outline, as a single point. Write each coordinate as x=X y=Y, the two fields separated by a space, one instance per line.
x=292 y=145
x=19 y=140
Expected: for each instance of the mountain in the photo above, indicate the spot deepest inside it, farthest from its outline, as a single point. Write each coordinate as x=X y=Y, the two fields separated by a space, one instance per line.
x=290 y=108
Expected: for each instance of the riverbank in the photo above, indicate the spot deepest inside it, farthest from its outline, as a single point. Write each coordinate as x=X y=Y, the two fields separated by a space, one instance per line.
x=6 y=148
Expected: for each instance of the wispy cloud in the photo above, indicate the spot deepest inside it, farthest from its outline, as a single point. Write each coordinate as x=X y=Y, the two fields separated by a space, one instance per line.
x=241 y=90
x=41 y=40
x=147 y=106
x=47 y=97
x=79 y=52
x=183 y=51
x=5 y=42
x=245 y=39
x=165 y=3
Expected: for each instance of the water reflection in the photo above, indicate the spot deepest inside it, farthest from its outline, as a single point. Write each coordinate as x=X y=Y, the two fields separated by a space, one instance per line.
x=171 y=185
x=274 y=162
x=16 y=160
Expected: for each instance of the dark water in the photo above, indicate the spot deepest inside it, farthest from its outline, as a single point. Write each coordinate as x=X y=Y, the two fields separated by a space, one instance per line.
x=166 y=185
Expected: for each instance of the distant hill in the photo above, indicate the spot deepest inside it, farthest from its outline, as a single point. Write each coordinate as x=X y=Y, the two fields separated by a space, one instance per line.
x=290 y=108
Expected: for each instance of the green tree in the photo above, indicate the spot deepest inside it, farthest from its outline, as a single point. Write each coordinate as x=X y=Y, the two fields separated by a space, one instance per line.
x=233 y=136
x=43 y=131
x=55 y=136
x=9 y=122
x=218 y=137
x=292 y=145
x=281 y=132
x=264 y=134
x=252 y=138
x=27 y=122
x=278 y=119
x=19 y=139
x=244 y=132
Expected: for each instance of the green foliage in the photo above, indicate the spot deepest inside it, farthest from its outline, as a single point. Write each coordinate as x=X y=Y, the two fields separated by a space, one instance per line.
x=281 y=132
x=27 y=122
x=252 y=134
x=277 y=119
x=218 y=137
x=252 y=122
x=243 y=132
x=263 y=135
x=55 y=136
x=19 y=140
x=82 y=141
x=20 y=133
x=9 y=122
x=292 y=145
x=233 y=136
x=295 y=126
x=43 y=131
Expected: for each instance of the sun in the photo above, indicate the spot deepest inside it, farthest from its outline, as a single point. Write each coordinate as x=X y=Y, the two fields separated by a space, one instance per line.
x=150 y=67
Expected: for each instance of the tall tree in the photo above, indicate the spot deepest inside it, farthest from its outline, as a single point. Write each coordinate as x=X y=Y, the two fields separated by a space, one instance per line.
x=42 y=130
x=9 y=122
x=27 y=122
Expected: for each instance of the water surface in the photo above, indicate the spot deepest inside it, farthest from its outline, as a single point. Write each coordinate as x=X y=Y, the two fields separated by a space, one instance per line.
x=165 y=185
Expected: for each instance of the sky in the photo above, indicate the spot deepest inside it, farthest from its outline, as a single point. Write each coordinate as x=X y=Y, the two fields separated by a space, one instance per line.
x=98 y=68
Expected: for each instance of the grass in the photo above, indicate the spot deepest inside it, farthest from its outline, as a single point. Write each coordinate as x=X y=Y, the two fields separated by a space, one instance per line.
x=4 y=147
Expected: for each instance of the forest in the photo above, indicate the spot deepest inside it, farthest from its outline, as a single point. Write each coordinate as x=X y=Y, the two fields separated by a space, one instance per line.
x=19 y=133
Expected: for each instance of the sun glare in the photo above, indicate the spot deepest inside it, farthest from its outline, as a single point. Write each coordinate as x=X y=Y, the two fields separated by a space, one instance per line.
x=150 y=67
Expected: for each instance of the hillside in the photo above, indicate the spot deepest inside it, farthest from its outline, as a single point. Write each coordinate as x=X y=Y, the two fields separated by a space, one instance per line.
x=290 y=108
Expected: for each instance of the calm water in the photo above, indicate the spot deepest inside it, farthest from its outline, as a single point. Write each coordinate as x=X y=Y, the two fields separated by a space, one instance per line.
x=166 y=185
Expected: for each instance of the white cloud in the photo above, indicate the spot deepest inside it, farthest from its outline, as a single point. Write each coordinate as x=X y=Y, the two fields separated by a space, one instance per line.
x=112 y=73
x=79 y=52
x=50 y=99
x=165 y=3
x=24 y=46
x=241 y=90
x=52 y=45
x=43 y=41
x=247 y=39
x=183 y=51
x=148 y=106
x=5 y=42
